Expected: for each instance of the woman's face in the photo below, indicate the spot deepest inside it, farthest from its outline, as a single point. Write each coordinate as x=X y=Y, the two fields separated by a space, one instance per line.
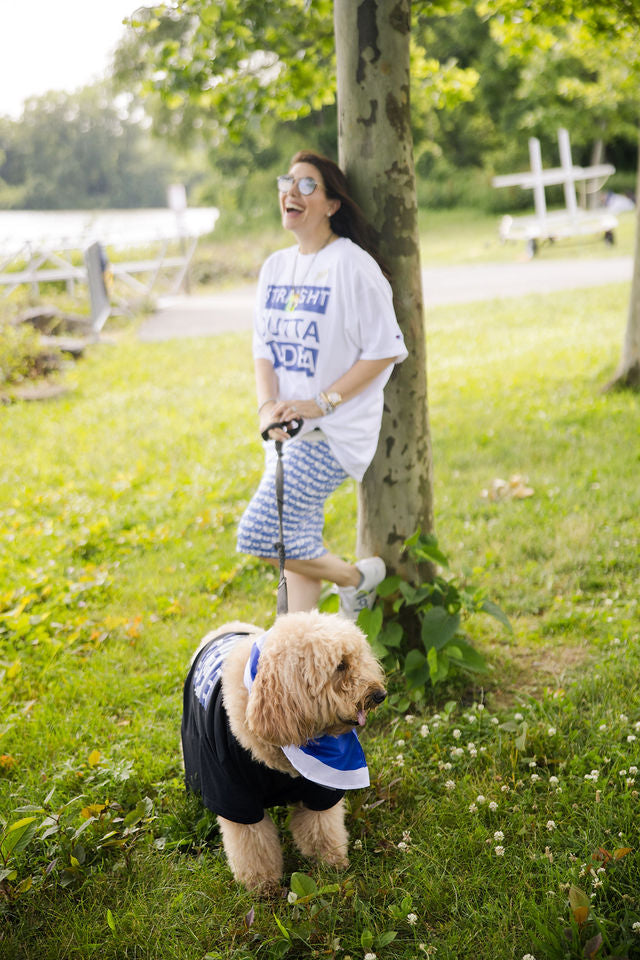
x=307 y=215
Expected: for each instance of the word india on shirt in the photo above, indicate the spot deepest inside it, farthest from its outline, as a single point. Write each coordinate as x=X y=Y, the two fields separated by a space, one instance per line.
x=294 y=340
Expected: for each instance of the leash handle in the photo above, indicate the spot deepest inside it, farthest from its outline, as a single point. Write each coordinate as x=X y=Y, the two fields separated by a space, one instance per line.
x=289 y=426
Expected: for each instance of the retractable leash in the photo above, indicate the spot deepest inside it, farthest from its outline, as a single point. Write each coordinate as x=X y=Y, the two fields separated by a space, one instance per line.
x=291 y=427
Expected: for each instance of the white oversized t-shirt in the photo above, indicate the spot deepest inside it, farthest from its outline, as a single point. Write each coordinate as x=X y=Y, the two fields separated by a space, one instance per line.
x=313 y=328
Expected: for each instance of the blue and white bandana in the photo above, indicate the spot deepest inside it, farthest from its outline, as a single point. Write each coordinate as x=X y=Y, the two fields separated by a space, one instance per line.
x=337 y=762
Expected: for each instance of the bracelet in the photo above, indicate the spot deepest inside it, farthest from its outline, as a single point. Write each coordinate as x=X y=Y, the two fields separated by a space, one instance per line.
x=323 y=403
x=265 y=402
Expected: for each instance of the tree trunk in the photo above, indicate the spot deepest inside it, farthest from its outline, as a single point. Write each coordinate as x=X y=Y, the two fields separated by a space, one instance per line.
x=376 y=153
x=628 y=373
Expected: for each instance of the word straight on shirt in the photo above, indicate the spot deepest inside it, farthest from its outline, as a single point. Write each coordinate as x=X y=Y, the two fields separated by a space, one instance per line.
x=310 y=299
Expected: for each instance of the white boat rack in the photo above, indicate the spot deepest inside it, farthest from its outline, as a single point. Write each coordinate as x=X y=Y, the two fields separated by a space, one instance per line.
x=569 y=222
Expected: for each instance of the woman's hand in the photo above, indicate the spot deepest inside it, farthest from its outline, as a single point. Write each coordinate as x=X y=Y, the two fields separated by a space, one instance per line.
x=291 y=409
x=283 y=411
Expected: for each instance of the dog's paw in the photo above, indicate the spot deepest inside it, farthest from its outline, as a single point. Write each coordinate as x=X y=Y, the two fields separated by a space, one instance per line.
x=336 y=859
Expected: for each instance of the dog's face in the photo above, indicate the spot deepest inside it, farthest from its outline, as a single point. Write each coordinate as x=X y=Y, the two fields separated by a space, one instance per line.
x=316 y=675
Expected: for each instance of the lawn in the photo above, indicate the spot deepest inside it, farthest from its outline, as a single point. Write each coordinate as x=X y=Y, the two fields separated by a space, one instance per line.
x=502 y=819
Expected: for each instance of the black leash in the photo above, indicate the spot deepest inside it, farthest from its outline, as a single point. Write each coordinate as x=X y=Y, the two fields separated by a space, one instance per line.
x=291 y=427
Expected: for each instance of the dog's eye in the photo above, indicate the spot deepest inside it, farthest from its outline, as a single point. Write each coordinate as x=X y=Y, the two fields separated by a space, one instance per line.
x=342 y=666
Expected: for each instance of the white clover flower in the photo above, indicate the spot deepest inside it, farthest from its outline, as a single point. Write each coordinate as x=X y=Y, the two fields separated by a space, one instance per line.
x=602 y=726
x=551 y=825
x=399 y=761
x=499 y=851
x=633 y=770
x=412 y=918
x=471 y=746
x=631 y=738
x=357 y=844
x=400 y=743
x=457 y=734
x=558 y=789
x=481 y=799
x=436 y=716
x=369 y=956
x=552 y=731
x=601 y=870
x=471 y=719
x=535 y=777
x=630 y=781
x=493 y=805
x=504 y=788
x=528 y=956
x=473 y=808
x=409 y=718
x=450 y=785
x=553 y=781
x=636 y=926
x=403 y=845
x=424 y=730
x=622 y=773
x=595 y=774
x=456 y=752
x=518 y=716
x=479 y=706
x=623 y=717
x=447 y=766
x=292 y=897
x=498 y=835
x=494 y=721
x=532 y=763
x=473 y=753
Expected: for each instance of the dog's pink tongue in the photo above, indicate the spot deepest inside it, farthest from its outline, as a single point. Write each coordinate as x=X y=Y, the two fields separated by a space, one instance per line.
x=362 y=718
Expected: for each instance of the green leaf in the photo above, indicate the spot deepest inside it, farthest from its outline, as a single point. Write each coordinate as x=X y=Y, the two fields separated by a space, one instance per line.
x=385 y=939
x=370 y=621
x=366 y=940
x=391 y=636
x=330 y=603
x=389 y=585
x=438 y=665
x=281 y=927
x=111 y=922
x=18 y=836
x=467 y=657
x=416 y=669
x=488 y=606
x=302 y=885
x=521 y=741
x=438 y=627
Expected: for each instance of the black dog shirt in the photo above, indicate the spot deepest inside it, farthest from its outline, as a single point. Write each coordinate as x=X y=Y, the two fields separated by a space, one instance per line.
x=229 y=780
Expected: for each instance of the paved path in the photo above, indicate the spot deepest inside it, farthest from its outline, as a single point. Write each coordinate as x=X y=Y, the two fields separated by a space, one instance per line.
x=232 y=310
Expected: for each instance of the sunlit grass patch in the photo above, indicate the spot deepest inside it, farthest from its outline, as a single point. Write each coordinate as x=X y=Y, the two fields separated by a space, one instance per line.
x=118 y=509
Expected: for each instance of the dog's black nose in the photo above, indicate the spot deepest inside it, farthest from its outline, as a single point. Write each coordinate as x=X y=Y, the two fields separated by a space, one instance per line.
x=378 y=696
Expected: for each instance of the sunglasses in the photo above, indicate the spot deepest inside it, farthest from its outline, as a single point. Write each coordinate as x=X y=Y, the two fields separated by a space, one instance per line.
x=306 y=185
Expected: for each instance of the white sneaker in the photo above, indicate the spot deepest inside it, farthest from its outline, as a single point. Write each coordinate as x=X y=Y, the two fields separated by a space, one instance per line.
x=355 y=599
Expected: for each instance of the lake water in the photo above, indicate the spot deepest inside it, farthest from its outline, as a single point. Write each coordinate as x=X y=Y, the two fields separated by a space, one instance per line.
x=119 y=228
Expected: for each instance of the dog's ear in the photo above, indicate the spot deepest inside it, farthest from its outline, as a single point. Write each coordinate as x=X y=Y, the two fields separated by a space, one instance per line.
x=275 y=710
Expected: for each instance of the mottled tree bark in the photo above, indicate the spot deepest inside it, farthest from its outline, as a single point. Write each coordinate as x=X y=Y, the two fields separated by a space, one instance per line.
x=628 y=373
x=376 y=152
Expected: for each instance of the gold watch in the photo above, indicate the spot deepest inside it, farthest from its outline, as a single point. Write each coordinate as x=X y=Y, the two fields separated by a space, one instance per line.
x=332 y=400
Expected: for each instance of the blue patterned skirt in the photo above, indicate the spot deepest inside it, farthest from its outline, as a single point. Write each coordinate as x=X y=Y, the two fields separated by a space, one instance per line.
x=311 y=473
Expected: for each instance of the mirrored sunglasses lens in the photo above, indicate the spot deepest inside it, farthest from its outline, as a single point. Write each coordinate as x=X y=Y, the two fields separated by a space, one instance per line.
x=307 y=185
x=284 y=184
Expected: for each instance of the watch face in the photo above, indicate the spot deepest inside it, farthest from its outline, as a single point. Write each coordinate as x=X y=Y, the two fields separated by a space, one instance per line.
x=334 y=398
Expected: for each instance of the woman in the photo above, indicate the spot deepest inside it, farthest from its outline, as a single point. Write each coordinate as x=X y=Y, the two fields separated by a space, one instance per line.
x=325 y=341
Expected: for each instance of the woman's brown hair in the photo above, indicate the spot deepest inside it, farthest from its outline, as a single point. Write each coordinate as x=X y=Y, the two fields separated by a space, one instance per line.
x=349 y=220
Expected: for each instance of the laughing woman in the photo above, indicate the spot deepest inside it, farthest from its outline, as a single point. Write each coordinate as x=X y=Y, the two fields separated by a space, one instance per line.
x=325 y=342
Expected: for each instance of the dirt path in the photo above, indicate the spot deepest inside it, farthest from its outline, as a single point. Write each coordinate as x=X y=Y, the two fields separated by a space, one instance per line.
x=232 y=310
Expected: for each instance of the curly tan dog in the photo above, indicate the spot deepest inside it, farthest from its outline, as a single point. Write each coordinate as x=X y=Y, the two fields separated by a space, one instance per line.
x=269 y=719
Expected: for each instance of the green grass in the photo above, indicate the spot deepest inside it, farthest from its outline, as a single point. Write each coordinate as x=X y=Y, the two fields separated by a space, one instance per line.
x=118 y=508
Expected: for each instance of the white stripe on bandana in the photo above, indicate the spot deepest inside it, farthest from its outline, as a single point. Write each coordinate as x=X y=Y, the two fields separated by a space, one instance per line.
x=337 y=762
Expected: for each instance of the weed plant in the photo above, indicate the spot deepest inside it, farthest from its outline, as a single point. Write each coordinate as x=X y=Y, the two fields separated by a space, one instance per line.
x=502 y=817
